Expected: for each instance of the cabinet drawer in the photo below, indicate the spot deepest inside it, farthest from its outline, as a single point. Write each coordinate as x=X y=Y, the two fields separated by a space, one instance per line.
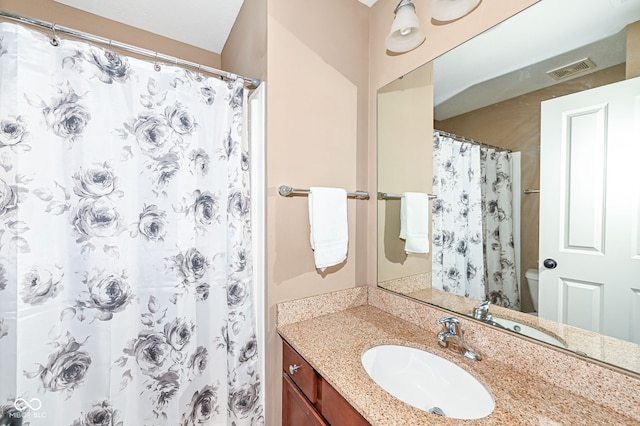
x=304 y=376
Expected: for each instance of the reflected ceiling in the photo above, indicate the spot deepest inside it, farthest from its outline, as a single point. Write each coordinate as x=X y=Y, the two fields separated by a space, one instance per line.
x=528 y=61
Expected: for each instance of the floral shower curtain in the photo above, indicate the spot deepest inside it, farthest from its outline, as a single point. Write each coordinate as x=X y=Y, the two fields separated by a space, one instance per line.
x=126 y=294
x=473 y=251
x=457 y=262
x=497 y=202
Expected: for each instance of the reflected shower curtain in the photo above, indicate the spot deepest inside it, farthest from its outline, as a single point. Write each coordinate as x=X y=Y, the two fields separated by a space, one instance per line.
x=497 y=203
x=126 y=294
x=457 y=262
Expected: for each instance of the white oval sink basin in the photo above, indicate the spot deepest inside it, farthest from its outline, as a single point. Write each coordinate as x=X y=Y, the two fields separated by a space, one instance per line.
x=528 y=331
x=428 y=382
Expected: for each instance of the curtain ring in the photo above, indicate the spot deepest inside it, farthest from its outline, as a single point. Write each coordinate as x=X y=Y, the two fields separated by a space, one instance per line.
x=156 y=66
x=54 y=40
x=198 y=75
x=109 y=53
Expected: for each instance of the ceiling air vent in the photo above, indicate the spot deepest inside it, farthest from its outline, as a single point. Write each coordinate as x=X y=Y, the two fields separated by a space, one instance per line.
x=570 y=70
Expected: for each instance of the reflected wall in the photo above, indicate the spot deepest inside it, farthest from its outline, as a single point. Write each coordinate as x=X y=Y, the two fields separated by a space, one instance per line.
x=405 y=111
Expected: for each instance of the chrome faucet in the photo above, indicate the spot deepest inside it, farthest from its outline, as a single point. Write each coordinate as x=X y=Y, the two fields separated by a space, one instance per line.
x=453 y=338
x=481 y=311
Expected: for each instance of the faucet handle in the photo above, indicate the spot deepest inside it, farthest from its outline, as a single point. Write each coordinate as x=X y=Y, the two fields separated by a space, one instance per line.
x=451 y=323
x=453 y=338
x=481 y=310
x=448 y=319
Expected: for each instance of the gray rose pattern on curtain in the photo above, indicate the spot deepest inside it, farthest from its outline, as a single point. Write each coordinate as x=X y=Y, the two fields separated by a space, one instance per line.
x=497 y=205
x=457 y=263
x=473 y=251
x=126 y=293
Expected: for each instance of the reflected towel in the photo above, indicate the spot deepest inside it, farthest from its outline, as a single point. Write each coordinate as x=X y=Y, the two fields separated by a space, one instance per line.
x=414 y=222
x=328 y=226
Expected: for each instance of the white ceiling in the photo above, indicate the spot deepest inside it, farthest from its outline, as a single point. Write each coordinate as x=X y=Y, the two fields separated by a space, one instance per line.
x=202 y=23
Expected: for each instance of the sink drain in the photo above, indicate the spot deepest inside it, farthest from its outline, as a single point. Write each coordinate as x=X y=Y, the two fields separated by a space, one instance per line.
x=437 y=411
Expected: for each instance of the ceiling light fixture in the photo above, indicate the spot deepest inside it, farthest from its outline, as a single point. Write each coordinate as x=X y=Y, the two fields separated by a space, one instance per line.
x=450 y=10
x=406 y=33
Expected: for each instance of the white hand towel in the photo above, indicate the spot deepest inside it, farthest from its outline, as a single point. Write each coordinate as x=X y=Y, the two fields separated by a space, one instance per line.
x=329 y=228
x=414 y=222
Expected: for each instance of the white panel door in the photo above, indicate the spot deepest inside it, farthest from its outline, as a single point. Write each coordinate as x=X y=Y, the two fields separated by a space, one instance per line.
x=589 y=196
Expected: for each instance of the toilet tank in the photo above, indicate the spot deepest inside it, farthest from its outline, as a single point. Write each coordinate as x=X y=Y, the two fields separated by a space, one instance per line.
x=532 y=279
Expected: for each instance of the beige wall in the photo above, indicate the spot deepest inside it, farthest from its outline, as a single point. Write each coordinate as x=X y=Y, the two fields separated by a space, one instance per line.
x=317 y=106
x=515 y=124
x=54 y=12
x=245 y=52
x=633 y=50
x=405 y=123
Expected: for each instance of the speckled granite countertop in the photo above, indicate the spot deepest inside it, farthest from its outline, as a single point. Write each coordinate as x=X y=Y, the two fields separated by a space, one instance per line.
x=334 y=341
x=598 y=346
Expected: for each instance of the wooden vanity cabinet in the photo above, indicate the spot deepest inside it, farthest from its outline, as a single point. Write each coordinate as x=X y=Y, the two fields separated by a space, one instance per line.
x=296 y=409
x=308 y=399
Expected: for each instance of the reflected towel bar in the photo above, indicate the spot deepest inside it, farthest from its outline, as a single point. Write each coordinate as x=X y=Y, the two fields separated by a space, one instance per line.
x=531 y=191
x=388 y=196
x=287 y=191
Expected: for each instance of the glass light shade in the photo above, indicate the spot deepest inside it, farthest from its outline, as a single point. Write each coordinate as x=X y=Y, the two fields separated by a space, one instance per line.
x=406 y=33
x=450 y=10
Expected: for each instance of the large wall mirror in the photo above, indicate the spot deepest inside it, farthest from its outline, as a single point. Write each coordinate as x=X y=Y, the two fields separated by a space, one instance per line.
x=546 y=106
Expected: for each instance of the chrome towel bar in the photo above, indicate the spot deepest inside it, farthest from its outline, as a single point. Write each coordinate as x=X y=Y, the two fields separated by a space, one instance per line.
x=388 y=196
x=287 y=191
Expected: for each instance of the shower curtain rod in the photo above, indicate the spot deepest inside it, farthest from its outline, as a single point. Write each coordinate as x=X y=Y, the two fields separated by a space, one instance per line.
x=251 y=83
x=463 y=139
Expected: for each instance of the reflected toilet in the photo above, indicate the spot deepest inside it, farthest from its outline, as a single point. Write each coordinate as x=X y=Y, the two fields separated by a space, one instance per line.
x=532 y=279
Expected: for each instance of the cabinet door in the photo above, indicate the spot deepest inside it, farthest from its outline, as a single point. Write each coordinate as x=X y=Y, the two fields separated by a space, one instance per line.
x=336 y=409
x=296 y=408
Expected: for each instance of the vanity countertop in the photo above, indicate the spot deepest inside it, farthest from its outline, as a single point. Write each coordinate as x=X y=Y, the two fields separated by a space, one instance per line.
x=333 y=343
x=622 y=353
